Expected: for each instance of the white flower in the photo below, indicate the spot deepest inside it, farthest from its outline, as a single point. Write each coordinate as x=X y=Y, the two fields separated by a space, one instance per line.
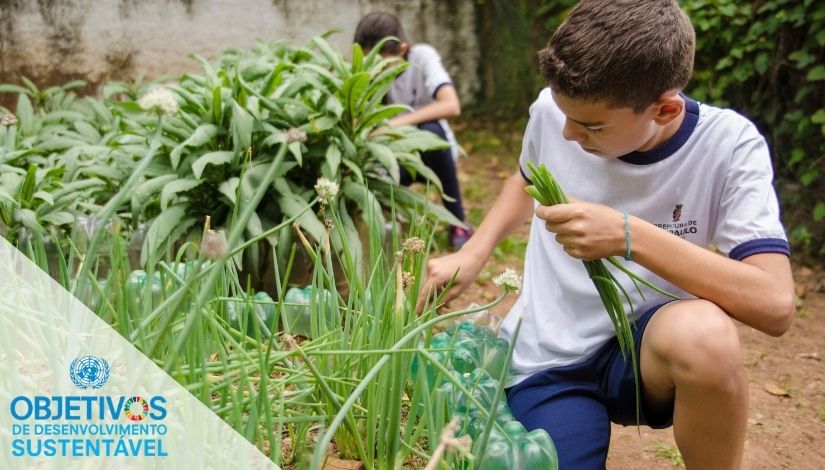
x=8 y=120
x=326 y=189
x=509 y=280
x=295 y=135
x=159 y=100
x=413 y=245
x=407 y=279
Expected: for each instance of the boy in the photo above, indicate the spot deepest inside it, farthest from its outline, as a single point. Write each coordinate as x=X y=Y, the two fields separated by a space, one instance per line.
x=618 y=135
x=426 y=87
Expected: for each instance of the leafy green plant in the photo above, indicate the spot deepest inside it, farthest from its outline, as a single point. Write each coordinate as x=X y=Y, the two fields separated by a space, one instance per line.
x=231 y=118
x=766 y=59
x=60 y=156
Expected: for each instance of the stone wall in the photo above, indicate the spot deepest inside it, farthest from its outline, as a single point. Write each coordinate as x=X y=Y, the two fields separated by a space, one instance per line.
x=54 y=41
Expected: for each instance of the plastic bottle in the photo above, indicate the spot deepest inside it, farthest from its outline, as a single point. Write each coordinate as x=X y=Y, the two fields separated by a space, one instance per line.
x=297 y=313
x=476 y=361
x=254 y=315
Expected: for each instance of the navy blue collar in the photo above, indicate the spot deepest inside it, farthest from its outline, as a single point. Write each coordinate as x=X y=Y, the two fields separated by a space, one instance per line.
x=673 y=144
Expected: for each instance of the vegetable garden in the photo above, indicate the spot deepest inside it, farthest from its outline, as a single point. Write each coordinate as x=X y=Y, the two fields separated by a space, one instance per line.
x=245 y=228
x=183 y=212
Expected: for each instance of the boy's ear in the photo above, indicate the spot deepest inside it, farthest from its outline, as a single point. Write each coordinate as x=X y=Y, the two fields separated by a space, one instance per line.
x=667 y=108
x=403 y=48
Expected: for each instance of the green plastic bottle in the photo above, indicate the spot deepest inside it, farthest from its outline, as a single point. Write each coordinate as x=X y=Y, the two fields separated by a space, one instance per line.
x=297 y=313
x=135 y=285
x=255 y=316
x=517 y=448
x=477 y=361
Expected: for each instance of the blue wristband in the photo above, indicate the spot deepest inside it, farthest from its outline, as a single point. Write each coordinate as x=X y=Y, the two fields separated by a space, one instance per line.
x=627 y=254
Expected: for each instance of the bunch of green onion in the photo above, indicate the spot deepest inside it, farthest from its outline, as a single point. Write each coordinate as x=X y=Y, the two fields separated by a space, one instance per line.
x=546 y=190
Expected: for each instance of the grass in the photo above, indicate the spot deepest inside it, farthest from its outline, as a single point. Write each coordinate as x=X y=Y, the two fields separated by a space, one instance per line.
x=663 y=450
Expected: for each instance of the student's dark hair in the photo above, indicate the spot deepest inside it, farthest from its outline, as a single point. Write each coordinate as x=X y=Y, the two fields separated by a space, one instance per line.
x=377 y=25
x=624 y=52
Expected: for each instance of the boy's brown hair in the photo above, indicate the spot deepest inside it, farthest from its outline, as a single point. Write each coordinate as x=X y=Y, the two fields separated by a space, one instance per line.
x=377 y=25
x=625 y=52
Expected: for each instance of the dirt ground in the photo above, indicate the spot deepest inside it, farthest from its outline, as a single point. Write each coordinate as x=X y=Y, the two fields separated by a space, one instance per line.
x=786 y=419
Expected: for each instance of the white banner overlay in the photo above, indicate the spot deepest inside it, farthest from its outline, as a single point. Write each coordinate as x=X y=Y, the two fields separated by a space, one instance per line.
x=76 y=394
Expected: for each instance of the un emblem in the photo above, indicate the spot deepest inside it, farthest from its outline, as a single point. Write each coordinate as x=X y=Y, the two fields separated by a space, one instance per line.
x=89 y=372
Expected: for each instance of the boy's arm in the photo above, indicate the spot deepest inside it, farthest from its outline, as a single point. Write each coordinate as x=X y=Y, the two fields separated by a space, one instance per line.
x=512 y=207
x=446 y=105
x=757 y=291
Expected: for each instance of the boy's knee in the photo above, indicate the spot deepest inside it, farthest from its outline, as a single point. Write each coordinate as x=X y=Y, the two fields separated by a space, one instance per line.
x=700 y=342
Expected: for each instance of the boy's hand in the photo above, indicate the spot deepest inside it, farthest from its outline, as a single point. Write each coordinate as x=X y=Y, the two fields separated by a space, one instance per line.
x=587 y=231
x=441 y=270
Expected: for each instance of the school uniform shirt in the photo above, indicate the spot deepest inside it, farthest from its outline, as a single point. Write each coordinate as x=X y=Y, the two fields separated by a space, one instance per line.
x=419 y=83
x=709 y=184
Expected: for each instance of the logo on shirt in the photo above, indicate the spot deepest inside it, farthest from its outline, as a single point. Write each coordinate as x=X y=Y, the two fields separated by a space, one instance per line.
x=677 y=212
x=679 y=227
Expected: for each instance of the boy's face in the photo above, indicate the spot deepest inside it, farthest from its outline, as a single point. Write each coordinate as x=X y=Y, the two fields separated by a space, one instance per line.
x=605 y=131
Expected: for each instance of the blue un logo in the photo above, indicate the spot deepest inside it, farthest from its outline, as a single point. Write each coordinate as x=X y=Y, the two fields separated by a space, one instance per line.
x=89 y=372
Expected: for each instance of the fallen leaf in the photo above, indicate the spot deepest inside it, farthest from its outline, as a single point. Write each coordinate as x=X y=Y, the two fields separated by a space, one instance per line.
x=775 y=390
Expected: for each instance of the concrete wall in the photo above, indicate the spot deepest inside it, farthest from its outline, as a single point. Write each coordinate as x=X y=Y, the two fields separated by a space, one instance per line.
x=53 y=41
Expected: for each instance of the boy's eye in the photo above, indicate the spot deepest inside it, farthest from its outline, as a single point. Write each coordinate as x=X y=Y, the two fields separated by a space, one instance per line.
x=591 y=130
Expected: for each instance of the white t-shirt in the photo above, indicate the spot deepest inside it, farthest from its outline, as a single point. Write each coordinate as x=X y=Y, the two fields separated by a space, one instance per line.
x=709 y=184
x=419 y=83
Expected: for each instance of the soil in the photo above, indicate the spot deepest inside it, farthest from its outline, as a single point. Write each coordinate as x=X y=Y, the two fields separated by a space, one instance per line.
x=786 y=419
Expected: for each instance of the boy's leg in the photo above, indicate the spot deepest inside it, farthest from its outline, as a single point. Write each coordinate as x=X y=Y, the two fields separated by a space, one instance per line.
x=442 y=164
x=566 y=403
x=691 y=360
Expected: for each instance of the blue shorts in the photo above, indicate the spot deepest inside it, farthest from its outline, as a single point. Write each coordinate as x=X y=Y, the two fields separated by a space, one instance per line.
x=575 y=404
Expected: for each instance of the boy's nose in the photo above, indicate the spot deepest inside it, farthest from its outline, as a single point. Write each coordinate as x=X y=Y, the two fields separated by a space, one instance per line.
x=573 y=131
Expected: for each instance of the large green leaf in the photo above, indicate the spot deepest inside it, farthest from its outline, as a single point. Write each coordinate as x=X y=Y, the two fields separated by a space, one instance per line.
x=146 y=190
x=417 y=167
x=28 y=219
x=25 y=114
x=202 y=135
x=418 y=141
x=366 y=201
x=229 y=188
x=6 y=197
x=175 y=187
x=380 y=115
x=292 y=204
x=44 y=196
x=211 y=158
x=410 y=201
x=332 y=160
x=353 y=90
x=334 y=59
x=386 y=158
x=160 y=228
x=60 y=218
x=242 y=123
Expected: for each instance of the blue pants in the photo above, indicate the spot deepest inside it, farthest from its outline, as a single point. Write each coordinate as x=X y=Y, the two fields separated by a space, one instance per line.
x=443 y=165
x=575 y=404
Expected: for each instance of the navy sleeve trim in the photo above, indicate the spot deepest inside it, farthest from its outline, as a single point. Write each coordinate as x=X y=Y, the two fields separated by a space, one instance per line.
x=439 y=87
x=524 y=175
x=762 y=245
